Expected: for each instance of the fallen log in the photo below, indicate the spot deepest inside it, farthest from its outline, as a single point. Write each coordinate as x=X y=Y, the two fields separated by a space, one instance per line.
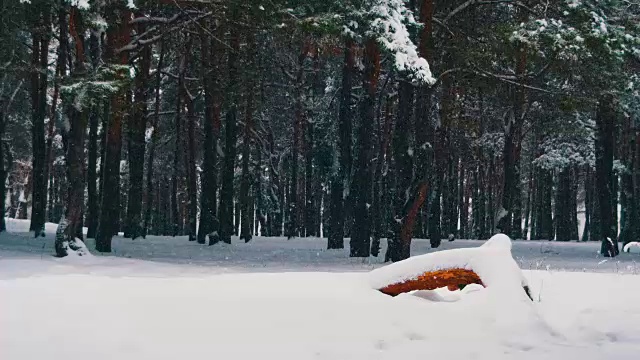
x=453 y=279
x=490 y=265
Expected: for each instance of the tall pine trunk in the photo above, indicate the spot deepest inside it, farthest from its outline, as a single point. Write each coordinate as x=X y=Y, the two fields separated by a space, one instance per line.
x=39 y=64
x=209 y=179
x=511 y=223
x=563 y=206
x=226 y=191
x=605 y=122
x=92 y=172
x=152 y=147
x=360 y=245
x=75 y=137
x=137 y=126
x=247 y=138
x=586 y=233
x=293 y=208
x=117 y=36
x=192 y=181
x=6 y=158
x=342 y=167
x=403 y=167
x=384 y=141
x=178 y=150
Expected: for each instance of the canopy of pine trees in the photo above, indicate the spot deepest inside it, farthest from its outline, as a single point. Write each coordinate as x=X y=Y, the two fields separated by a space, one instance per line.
x=358 y=119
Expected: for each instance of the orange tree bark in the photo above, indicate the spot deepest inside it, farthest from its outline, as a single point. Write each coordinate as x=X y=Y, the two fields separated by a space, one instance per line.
x=431 y=280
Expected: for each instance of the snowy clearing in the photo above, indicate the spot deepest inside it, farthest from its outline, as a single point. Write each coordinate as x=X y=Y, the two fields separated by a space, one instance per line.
x=286 y=305
x=306 y=254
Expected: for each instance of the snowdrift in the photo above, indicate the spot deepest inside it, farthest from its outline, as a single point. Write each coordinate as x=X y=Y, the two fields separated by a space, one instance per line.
x=490 y=265
x=632 y=245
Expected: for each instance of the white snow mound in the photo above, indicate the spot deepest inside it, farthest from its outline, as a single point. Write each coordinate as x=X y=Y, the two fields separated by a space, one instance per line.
x=503 y=302
x=492 y=262
x=634 y=244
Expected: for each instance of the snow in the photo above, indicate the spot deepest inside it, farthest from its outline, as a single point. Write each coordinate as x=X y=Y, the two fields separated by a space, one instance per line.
x=279 y=299
x=388 y=26
x=627 y=248
x=492 y=262
x=81 y=4
x=574 y=3
x=307 y=254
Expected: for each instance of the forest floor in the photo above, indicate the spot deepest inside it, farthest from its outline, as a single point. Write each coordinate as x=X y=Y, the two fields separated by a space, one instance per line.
x=166 y=298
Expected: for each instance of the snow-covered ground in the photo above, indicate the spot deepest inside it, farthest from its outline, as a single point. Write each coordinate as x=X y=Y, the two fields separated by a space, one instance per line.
x=279 y=299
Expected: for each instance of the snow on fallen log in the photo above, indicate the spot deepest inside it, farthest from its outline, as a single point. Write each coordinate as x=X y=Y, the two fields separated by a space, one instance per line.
x=627 y=248
x=490 y=265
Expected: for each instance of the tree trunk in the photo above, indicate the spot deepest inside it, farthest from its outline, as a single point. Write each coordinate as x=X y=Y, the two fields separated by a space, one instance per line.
x=595 y=233
x=152 y=148
x=293 y=226
x=511 y=224
x=209 y=179
x=605 y=122
x=403 y=170
x=4 y=167
x=6 y=160
x=192 y=181
x=587 y=204
x=527 y=211
x=342 y=168
x=479 y=204
x=74 y=209
x=137 y=127
x=92 y=176
x=441 y=141
x=629 y=226
x=452 y=194
x=178 y=151
x=544 y=220
x=117 y=37
x=574 y=204
x=360 y=245
x=384 y=141
x=226 y=192
x=563 y=206
x=463 y=196
x=246 y=181
x=59 y=73
x=39 y=64
x=309 y=215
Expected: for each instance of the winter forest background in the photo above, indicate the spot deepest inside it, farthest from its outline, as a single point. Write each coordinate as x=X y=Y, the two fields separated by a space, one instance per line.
x=360 y=119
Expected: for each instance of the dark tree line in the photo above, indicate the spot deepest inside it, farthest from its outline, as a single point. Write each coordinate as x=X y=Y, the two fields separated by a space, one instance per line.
x=362 y=119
